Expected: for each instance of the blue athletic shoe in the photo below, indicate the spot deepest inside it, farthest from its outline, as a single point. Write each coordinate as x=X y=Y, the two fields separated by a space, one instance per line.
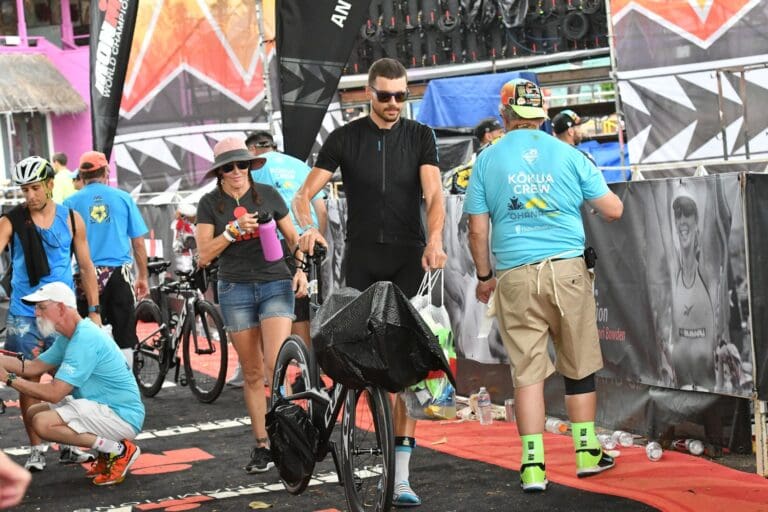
x=404 y=496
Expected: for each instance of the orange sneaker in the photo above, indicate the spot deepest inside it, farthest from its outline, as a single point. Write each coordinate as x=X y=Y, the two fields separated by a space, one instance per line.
x=118 y=465
x=98 y=466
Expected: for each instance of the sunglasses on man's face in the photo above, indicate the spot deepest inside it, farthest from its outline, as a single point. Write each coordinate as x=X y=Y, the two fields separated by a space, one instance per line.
x=385 y=96
x=242 y=164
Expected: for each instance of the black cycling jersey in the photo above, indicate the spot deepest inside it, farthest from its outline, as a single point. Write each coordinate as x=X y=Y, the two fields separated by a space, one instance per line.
x=380 y=171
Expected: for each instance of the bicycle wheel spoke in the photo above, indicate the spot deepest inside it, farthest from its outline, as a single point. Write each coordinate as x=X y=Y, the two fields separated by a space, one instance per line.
x=205 y=353
x=149 y=358
x=368 y=451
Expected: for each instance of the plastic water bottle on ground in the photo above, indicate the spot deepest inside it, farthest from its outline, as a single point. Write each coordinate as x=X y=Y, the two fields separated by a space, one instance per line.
x=556 y=426
x=484 y=407
x=623 y=438
x=653 y=451
x=606 y=441
x=692 y=446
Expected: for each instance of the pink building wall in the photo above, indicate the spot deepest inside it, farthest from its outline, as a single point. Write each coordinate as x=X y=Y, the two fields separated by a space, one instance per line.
x=71 y=133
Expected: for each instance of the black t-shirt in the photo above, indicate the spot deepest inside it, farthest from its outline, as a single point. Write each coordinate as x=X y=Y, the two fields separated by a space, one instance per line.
x=380 y=172
x=243 y=261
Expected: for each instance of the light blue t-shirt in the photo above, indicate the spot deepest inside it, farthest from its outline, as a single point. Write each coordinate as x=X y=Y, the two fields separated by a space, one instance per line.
x=532 y=185
x=92 y=363
x=111 y=220
x=57 y=243
x=286 y=174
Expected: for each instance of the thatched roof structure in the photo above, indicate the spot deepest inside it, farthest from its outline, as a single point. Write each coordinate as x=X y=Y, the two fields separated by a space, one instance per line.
x=30 y=83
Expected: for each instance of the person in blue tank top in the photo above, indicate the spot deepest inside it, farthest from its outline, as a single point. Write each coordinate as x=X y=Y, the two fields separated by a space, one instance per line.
x=42 y=236
x=93 y=399
x=116 y=236
x=530 y=187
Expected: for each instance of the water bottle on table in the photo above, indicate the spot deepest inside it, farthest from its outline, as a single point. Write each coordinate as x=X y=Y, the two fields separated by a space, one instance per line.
x=484 y=407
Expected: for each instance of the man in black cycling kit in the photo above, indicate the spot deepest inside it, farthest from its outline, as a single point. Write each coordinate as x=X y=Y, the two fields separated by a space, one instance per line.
x=387 y=165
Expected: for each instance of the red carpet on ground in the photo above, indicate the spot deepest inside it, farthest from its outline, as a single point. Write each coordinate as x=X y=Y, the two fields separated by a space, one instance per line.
x=678 y=482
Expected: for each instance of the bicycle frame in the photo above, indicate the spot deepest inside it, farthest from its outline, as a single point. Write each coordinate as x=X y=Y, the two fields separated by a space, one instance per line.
x=176 y=308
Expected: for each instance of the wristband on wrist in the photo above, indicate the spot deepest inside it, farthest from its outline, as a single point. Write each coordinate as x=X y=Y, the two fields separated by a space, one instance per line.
x=233 y=228
x=96 y=308
x=229 y=238
x=306 y=228
x=483 y=279
x=10 y=378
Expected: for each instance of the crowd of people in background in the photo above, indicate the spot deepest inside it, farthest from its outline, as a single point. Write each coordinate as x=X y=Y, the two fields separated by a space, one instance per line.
x=389 y=167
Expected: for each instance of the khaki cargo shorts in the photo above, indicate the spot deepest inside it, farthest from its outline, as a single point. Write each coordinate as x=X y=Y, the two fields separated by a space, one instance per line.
x=550 y=298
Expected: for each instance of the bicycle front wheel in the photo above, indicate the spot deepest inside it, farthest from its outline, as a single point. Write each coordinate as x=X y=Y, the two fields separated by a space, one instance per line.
x=151 y=357
x=205 y=353
x=295 y=371
x=368 y=450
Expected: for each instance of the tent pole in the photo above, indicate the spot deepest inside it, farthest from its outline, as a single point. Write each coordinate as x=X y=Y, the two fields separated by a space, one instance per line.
x=265 y=67
x=615 y=80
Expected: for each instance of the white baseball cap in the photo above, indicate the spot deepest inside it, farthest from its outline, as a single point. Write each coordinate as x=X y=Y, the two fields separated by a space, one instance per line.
x=56 y=292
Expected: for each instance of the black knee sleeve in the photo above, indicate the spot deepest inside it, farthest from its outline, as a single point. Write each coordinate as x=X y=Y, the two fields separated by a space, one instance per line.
x=581 y=386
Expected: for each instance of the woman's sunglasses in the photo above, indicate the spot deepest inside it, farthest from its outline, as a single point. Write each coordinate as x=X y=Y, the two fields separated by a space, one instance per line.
x=384 y=96
x=242 y=164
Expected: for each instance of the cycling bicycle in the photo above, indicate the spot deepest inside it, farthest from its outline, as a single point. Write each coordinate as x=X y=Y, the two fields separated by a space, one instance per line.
x=365 y=458
x=160 y=327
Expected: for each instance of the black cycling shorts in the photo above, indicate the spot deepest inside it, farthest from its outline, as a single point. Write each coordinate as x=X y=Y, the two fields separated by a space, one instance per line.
x=365 y=264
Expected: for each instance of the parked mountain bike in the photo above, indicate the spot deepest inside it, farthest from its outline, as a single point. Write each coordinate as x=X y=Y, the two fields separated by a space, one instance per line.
x=365 y=456
x=177 y=314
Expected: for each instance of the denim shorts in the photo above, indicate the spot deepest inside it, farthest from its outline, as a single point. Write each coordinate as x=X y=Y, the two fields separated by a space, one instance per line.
x=23 y=336
x=245 y=305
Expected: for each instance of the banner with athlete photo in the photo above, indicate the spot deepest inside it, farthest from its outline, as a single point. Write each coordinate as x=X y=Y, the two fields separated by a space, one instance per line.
x=671 y=287
x=112 y=26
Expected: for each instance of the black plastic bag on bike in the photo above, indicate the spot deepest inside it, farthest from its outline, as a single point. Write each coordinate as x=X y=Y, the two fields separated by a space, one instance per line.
x=292 y=440
x=375 y=338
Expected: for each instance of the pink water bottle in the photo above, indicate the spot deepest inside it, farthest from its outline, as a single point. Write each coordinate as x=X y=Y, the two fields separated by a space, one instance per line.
x=270 y=244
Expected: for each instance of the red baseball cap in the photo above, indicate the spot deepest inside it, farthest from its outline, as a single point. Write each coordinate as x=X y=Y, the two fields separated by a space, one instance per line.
x=92 y=160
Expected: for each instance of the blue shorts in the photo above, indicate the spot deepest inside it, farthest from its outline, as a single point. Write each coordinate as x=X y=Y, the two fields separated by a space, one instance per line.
x=22 y=335
x=245 y=305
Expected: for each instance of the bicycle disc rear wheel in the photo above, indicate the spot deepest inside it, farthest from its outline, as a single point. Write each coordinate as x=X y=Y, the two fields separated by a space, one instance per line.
x=368 y=450
x=295 y=361
x=205 y=353
x=151 y=357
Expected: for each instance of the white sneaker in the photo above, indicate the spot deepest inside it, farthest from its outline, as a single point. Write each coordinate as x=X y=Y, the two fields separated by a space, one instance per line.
x=237 y=380
x=36 y=460
x=74 y=455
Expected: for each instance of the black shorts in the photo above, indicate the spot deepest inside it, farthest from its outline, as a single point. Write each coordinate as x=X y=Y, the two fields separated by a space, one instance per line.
x=117 y=309
x=365 y=264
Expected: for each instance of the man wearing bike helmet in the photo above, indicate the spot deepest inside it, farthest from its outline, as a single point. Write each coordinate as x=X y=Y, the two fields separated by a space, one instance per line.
x=116 y=236
x=42 y=236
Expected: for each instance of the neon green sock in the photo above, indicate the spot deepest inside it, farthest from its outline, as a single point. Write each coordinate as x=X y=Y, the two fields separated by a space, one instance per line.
x=533 y=449
x=584 y=437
